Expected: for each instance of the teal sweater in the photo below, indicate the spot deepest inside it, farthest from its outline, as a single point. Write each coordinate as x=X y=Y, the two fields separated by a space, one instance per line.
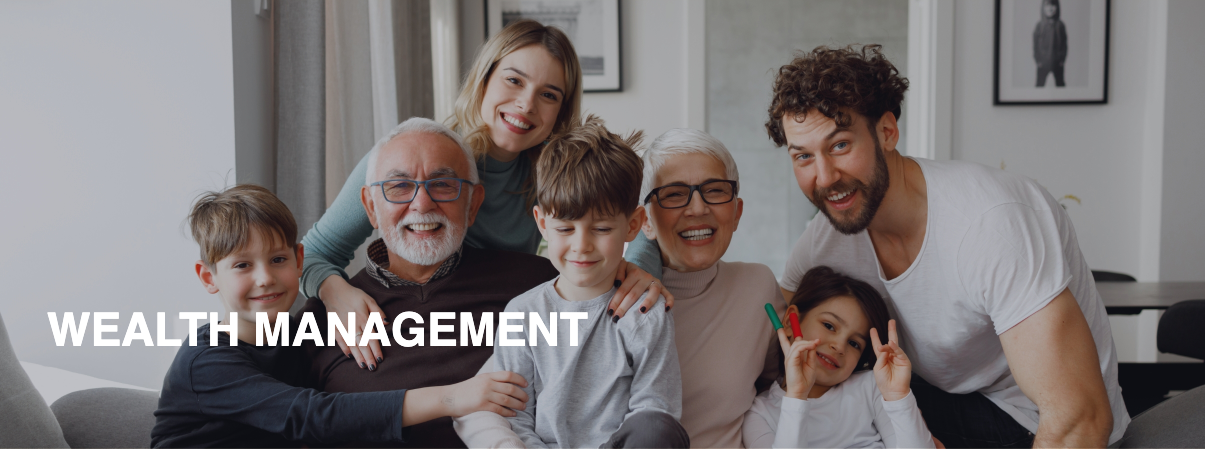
x=503 y=222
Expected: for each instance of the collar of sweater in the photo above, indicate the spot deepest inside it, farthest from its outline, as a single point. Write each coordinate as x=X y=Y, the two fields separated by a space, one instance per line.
x=377 y=266
x=691 y=284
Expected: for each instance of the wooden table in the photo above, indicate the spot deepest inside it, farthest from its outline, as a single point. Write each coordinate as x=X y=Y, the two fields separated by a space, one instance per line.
x=1131 y=298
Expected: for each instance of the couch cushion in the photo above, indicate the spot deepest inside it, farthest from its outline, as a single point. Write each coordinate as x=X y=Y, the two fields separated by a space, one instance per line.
x=1176 y=422
x=107 y=417
x=25 y=420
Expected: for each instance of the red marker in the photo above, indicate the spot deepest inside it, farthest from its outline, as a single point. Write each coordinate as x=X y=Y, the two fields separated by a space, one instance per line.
x=795 y=324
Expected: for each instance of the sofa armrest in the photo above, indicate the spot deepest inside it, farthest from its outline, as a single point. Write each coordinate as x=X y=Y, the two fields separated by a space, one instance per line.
x=1176 y=422
x=107 y=417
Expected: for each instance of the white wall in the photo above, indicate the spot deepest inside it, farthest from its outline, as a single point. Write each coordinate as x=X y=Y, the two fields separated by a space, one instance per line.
x=654 y=56
x=114 y=116
x=1090 y=151
x=1182 y=256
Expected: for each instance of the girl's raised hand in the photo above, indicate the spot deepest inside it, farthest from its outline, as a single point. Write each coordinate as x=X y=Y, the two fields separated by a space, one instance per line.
x=892 y=371
x=800 y=364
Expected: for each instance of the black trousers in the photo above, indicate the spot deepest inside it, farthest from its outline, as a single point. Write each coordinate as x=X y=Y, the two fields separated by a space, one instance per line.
x=647 y=430
x=1058 y=75
x=967 y=420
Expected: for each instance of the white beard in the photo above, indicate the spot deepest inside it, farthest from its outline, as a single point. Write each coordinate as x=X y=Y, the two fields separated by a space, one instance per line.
x=424 y=251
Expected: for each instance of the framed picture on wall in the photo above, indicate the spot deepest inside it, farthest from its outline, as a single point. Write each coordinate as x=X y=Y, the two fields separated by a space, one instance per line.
x=592 y=26
x=1051 y=52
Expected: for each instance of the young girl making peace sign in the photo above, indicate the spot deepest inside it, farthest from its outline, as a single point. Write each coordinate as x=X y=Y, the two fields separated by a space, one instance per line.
x=826 y=403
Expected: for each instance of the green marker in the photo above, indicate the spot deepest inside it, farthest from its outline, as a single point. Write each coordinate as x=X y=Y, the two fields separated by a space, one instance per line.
x=773 y=316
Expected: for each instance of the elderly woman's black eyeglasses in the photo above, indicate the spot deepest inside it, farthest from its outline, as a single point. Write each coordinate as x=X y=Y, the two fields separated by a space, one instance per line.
x=674 y=196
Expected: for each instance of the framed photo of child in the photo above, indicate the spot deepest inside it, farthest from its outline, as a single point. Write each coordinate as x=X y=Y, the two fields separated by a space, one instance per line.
x=1051 y=52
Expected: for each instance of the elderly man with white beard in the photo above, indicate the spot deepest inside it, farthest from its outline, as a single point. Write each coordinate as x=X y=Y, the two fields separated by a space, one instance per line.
x=422 y=192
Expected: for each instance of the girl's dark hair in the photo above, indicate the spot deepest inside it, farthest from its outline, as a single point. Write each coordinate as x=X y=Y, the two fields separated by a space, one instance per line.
x=821 y=284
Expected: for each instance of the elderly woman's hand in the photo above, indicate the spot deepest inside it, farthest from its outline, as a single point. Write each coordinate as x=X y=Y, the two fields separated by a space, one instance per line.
x=341 y=297
x=633 y=282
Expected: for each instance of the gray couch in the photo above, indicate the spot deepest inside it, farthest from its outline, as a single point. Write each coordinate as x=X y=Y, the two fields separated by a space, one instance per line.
x=100 y=417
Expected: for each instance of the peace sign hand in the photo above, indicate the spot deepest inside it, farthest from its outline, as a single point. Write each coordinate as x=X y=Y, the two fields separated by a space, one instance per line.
x=800 y=364
x=892 y=371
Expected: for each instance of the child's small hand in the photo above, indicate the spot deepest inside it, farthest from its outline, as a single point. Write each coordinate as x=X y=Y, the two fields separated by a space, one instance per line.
x=800 y=364
x=892 y=371
x=500 y=392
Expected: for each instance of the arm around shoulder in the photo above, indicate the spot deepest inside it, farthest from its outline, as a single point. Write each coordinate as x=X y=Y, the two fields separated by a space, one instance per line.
x=331 y=243
x=229 y=385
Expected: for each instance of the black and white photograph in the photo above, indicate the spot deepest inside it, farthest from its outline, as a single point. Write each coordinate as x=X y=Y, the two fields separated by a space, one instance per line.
x=592 y=25
x=1051 y=51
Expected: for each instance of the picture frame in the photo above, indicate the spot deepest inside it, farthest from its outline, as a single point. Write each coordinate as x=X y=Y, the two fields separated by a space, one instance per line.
x=1047 y=55
x=592 y=25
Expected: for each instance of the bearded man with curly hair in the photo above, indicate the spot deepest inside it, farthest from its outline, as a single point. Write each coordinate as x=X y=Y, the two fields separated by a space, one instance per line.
x=996 y=306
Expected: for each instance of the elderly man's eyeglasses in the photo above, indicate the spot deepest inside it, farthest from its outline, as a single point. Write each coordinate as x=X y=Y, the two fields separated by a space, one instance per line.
x=405 y=190
x=674 y=196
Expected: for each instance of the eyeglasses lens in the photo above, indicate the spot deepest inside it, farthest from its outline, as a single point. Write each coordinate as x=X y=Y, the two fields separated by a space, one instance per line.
x=438 y=189
x=679 y=196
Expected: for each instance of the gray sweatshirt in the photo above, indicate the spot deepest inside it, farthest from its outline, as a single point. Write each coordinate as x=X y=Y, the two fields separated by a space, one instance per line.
x=579 y=395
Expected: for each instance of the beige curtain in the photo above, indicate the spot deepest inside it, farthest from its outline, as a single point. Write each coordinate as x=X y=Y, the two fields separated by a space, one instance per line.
x=378 y=72
x=300 y=109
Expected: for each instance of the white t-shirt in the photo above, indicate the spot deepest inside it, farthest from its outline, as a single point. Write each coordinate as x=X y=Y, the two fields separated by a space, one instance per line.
x=997 y=249
x=850 y=414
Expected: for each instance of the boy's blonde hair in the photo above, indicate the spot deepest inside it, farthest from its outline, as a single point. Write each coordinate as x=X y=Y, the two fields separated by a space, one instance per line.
x=589 y=169
x=222 y=222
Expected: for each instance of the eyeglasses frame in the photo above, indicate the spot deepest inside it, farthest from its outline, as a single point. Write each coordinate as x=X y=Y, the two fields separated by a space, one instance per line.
x=459 y=189
x=736 y=186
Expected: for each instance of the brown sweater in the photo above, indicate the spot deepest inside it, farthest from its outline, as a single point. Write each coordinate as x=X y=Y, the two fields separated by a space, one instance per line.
x=483 y=281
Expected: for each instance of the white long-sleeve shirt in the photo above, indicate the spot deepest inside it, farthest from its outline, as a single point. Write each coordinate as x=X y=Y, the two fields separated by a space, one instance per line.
x=850 y=414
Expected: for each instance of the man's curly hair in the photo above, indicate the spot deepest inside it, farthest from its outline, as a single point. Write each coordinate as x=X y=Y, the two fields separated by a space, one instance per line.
x=833 y=81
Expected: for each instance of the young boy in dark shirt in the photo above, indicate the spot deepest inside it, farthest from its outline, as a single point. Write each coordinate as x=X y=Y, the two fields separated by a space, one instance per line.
x=253 y=396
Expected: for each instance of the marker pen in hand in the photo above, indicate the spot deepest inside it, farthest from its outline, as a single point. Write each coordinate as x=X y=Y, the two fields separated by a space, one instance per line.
x=773 y=317
x=794 y=319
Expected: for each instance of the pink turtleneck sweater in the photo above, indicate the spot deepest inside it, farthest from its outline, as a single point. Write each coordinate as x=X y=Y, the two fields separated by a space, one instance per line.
x=724 y=343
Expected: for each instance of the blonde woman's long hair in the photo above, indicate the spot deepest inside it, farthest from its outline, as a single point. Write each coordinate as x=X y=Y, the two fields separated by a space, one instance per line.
x=466 y=119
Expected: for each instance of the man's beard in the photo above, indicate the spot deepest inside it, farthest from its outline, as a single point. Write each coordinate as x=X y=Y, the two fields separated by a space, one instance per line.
x=424 y=251
x=873 y=194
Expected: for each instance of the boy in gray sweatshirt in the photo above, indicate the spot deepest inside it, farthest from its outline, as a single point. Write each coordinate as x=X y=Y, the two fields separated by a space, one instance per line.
x=603 y=382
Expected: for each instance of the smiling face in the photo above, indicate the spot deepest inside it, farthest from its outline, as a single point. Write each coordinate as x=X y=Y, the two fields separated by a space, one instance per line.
x=522 y=99
x=843 y=330
x=422 y=232
x=842 y=171
x=694 y=237
x=587 y=251
x=260 y=276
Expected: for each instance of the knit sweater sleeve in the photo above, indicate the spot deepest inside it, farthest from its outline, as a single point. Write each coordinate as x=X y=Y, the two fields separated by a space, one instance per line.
x=229 y=385
x=645 y=254
x=331 y=243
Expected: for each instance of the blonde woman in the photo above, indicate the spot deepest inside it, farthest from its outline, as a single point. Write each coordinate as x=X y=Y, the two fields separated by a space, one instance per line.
x=525 y=86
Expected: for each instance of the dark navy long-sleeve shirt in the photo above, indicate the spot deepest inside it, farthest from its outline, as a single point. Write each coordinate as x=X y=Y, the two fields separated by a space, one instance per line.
x=254 y=396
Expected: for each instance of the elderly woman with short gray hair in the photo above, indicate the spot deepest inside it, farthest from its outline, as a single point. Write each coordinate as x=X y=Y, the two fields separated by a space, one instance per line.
x=723 y=336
